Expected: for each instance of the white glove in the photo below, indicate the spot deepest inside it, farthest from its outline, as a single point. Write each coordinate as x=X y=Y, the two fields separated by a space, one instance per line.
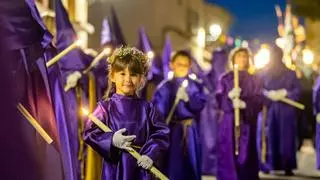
x=282 y=93
x=276 y=95
x=318 y=118
x=120 y=141
x=145 y=162
x=238 y=103
x=182 y=94
x=73 y=78
x=273 y=95
x=235 y=92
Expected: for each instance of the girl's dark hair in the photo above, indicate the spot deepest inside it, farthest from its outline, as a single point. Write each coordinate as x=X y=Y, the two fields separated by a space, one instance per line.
x=124 y=57
x=181 y=53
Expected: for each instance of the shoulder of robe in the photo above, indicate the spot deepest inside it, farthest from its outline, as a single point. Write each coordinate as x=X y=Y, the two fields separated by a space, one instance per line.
x=225 y=75
x=162 y=84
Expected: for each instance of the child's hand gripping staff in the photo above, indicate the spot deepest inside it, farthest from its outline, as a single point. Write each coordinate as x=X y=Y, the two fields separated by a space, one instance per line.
x=124 y=142
x=181 y=95
x=280 y=95
x=73 y=78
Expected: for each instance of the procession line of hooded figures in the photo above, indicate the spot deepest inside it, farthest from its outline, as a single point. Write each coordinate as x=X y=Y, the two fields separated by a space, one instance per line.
x=185 y=131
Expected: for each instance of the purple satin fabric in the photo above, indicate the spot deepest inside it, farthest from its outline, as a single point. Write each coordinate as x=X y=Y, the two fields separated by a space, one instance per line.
x=316 y=107
x=281 y=122
x=140 y=118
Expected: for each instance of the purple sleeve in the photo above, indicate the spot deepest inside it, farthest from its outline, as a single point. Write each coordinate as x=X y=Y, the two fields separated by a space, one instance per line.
x=100 y=141
x=197 y=98
x=162 y=101
x=223 y=101
x=157 y=143
x=316 y=97
x=295 y=89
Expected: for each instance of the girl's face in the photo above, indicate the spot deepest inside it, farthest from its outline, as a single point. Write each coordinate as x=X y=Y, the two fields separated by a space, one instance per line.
x=242 y=60
x=180 y=66
x=126 y=82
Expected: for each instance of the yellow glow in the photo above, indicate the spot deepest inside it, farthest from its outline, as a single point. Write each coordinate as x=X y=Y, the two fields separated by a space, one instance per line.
x=150 y=54
x=280 y=42
x=85 y=111
x=215 y=30
x=262 y=58
x=107 y=50
x=308 y=56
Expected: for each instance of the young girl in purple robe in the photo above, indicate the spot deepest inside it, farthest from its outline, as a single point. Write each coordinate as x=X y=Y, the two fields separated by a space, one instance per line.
x=181 y=99
x=134 y=121
x=243 y=165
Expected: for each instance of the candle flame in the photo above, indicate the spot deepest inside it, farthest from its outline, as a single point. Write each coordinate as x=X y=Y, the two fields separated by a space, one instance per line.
x=150 y=54
x=107 y=50
x=85 y=111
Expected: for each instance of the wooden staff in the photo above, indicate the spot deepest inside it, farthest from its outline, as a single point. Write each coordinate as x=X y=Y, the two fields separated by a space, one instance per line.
x=101 y=55
x=263 y=134
x=183 y=85
x=293 y=103
x=131 y=151
x=63 y=53
x=79 y=93
x=34 y=123
x=288 y=101
x=94 y=161
x=97 y=59
x=236 y=110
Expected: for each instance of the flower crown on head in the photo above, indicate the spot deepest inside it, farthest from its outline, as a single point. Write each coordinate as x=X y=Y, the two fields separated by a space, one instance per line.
x=133 y=52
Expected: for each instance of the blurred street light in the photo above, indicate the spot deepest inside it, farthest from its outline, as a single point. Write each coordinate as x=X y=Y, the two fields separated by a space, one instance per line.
x=280 y=42
x=307 y=56
x=262 y=58
x=215 y=31
x=150 y=54
x=245 y=44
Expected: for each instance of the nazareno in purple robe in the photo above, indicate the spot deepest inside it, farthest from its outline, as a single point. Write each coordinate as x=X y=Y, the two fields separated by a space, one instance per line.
x=244 y=166
x=316 y=109
x=184 y=157
x=281 y=120
x=210 y=114
x=140 y=118
x=25 y=38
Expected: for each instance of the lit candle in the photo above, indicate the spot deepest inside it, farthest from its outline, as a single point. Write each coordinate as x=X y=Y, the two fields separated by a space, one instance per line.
x=63 y=53
x=34 y=123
